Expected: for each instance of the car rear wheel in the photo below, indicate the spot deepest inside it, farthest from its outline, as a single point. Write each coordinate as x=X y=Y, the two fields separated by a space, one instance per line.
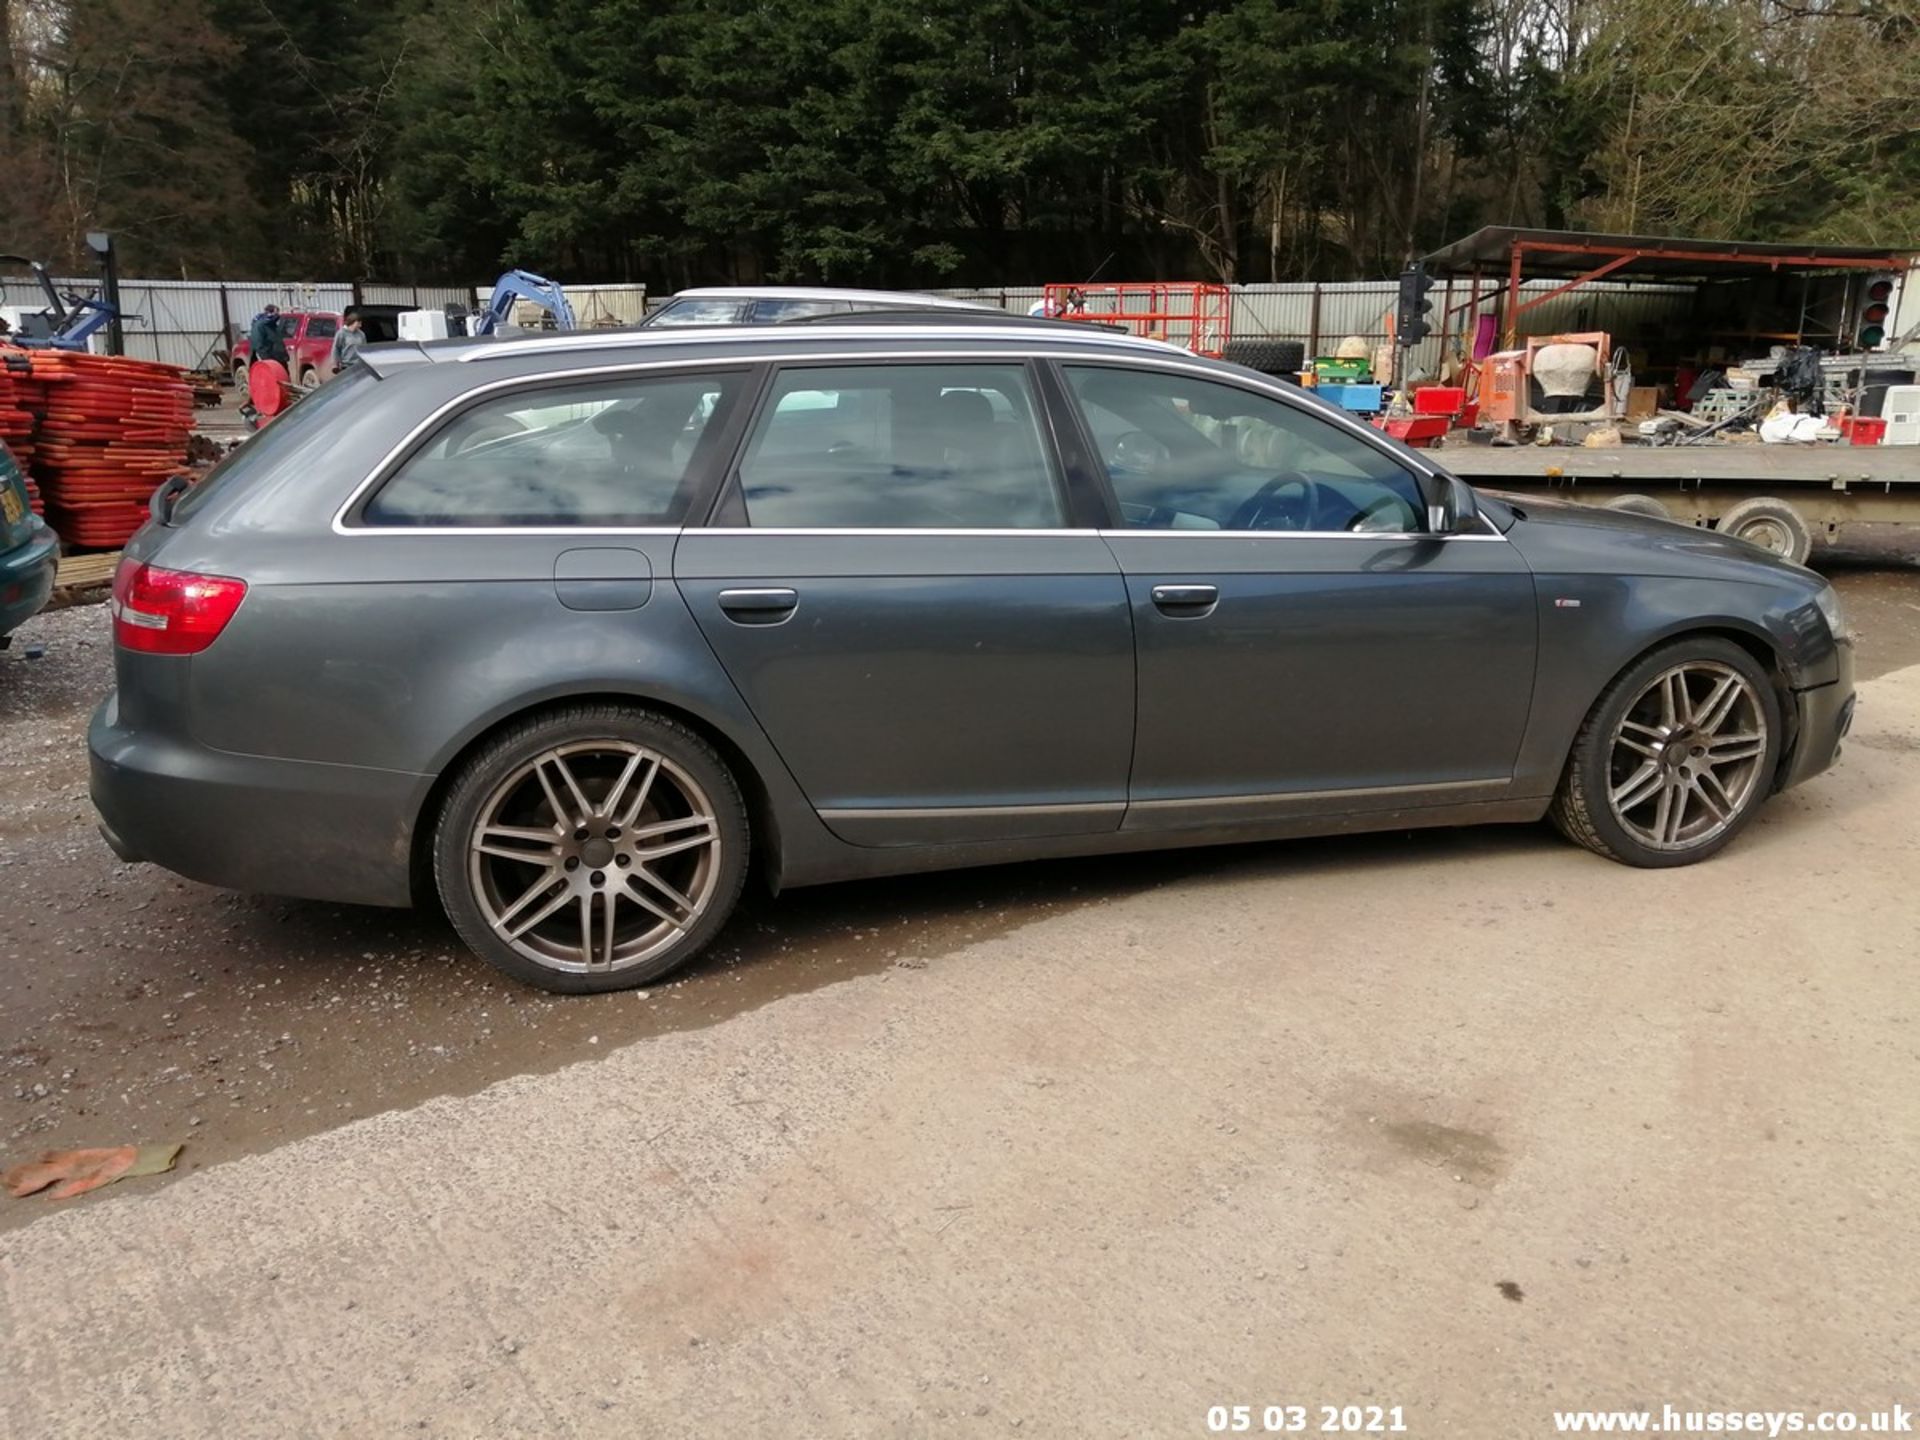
x=1675 y=757
x=591 y=849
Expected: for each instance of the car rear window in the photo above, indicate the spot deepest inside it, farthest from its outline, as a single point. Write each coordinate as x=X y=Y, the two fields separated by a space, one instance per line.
x=610 y=453
x=280 y=437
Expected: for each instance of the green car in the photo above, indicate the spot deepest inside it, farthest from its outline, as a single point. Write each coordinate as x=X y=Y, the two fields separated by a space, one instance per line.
x=29 y=551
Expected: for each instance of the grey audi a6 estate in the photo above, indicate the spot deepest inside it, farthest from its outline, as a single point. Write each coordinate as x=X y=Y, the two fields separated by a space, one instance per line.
x=569 y=633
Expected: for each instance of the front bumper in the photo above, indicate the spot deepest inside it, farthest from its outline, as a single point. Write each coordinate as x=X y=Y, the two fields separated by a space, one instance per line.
x=1822 y=718
x=248 y=822
x=26 y=579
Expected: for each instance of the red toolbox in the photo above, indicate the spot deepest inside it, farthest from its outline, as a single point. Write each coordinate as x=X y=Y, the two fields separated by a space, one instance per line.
x=1439 y=400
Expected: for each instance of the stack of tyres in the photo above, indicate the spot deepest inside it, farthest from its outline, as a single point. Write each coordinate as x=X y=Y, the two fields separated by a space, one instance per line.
x=19 y=399
x=111 y=429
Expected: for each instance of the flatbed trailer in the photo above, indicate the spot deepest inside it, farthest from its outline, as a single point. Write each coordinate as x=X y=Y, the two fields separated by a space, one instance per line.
x=1841 y=494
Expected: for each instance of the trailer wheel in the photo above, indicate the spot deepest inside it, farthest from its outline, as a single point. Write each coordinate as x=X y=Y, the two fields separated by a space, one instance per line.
x=1772 y=524
x=1269 y=357
x=1639 y=505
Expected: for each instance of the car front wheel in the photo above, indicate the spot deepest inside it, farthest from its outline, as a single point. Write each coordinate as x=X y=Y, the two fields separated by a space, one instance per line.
x=594 y=848
x=1675 y=758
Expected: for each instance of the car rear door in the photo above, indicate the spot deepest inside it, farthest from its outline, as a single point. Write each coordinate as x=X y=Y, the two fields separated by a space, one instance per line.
x=900 y=587
x=1304 y=646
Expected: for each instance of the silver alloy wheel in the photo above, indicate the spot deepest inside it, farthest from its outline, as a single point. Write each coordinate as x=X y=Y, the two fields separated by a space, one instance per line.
x=1686 y=756
x=594 y=857
x=1769 y=534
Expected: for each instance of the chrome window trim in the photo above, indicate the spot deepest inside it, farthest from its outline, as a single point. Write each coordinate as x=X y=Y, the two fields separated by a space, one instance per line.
x=961 y=812
x=772 y=335
x=737 y=531
x=1490 y=785
x=1422 y=535
x=1159 y=357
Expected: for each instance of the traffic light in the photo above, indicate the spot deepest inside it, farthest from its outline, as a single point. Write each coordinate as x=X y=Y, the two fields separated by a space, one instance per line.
x=1410 y=321
x=1876 y=312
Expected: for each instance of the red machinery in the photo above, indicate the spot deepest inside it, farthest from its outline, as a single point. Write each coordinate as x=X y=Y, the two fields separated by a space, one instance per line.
x=1521 y=387
x=1194 y=316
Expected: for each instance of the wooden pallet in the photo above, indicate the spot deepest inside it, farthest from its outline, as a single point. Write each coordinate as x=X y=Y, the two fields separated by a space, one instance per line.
x=86 y=572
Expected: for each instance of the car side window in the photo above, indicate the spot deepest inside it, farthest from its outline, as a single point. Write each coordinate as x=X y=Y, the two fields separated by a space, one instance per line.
x=900 y=447
x=616 y=452
x=1182 y=453
x=322 y=327
x=703 y=310
x=772 y=312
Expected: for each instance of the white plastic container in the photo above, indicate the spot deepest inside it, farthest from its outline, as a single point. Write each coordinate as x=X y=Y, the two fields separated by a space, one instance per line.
x=1902 y=411
x=423 y=325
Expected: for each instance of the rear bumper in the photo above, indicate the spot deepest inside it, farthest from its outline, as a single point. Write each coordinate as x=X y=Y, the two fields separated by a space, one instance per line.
x=26 y=579
x=1823 y=717
x=245 y=822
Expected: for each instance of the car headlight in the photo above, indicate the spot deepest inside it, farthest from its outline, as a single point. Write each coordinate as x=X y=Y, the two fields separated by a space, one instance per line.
x=1830 y=611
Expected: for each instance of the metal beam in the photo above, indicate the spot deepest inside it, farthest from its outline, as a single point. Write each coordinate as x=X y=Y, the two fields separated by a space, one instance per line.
x=1714 y=257
x=1510 y=322
x=1576 y=282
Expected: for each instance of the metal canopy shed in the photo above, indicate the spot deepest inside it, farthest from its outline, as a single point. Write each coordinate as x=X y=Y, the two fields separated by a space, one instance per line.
x=1582 y=257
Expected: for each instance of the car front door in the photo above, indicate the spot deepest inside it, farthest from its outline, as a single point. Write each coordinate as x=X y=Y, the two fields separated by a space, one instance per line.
x=1305 y=646
x=896 y=583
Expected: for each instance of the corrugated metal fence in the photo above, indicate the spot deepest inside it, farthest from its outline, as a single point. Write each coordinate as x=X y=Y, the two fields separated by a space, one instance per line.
x=186 y=322
x=1320 y=316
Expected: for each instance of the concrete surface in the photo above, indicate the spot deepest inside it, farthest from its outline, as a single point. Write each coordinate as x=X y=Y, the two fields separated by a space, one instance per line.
x=1273 y=1125
x=143 y=1007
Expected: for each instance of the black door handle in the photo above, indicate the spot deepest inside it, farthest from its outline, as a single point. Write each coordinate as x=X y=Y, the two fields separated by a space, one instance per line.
x=759 y=607
x=1185 y=600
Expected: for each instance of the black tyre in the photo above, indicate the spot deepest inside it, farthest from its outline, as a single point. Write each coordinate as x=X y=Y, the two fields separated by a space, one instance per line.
x=592 y=848
x=1675 y=758
x=1269 y=357
x=1639 y=505
x=1772 y=525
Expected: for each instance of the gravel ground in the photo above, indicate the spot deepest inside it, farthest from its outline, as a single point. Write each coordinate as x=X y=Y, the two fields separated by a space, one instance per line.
x=145 y=1008
x=1470 y=1123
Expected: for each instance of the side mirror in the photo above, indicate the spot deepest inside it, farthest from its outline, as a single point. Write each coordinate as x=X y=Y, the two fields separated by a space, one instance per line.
x=1451 y=507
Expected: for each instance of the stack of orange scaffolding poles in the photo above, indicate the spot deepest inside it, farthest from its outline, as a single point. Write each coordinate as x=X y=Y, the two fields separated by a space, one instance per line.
x=18 y=422
x=110 y=429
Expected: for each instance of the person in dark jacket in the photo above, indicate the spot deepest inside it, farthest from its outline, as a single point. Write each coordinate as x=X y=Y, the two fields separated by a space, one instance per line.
x=264 y=337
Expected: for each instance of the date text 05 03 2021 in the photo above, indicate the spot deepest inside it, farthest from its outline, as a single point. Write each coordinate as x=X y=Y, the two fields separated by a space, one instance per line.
x=1300 y=1419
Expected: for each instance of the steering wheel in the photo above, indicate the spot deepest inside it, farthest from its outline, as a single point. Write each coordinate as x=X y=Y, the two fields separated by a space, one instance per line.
x=1255 y=506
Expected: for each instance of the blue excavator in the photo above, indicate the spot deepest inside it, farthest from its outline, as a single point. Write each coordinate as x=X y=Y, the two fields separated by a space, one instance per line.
x=67 y=323
x=517 y=285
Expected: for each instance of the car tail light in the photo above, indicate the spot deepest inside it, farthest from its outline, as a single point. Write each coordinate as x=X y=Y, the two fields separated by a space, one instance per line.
x=171 y=612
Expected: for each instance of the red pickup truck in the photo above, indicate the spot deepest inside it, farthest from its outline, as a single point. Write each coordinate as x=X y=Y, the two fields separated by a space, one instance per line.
x=309 y=338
